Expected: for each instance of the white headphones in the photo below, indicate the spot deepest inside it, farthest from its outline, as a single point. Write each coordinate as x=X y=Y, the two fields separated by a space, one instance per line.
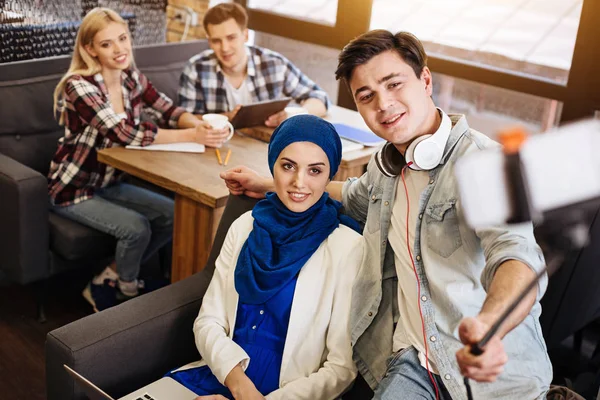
x=425 y=152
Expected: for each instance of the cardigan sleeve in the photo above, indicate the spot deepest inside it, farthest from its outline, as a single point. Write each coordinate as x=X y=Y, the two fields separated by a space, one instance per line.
x=211 y=328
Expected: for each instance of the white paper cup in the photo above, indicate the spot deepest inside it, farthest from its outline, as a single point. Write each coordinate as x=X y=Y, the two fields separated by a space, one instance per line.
x=291 y=111
x=219 y=121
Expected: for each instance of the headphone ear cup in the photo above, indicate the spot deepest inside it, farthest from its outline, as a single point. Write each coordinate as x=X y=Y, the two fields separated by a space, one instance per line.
x=389 y=160
x=414 y=149
x=428 y=155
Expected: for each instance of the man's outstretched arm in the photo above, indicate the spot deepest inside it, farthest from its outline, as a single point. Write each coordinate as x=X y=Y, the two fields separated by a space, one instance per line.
x=243 y=180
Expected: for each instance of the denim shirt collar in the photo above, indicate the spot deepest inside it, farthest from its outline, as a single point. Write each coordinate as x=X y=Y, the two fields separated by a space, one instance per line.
x=459 y=128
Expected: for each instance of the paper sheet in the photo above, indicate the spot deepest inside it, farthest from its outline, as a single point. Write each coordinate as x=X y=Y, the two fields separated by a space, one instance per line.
x=185 y=147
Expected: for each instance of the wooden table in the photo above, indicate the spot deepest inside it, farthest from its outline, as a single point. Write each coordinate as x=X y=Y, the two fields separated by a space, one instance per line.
x=353 y=163
x=200 y=194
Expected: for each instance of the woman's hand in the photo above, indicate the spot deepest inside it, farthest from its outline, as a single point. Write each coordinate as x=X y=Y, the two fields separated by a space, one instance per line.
x=249 y=393
x=240 y=386
x=205 y=134
x=211 y=397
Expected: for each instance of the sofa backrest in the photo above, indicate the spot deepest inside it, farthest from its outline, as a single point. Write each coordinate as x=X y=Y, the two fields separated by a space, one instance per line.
x=236 y=206
x=28 y=129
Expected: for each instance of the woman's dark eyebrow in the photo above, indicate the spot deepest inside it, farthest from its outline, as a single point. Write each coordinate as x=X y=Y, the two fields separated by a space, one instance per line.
x=288 y=160
x=310 y=165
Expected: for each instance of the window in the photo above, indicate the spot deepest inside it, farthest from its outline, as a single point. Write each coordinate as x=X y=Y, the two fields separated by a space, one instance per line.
x=320 y=11
x=490 y=109
x=534 y=37
x=544 y=48
x=315 y=21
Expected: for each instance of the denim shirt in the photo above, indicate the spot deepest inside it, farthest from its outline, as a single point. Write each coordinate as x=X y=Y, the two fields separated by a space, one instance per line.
x=456 y=265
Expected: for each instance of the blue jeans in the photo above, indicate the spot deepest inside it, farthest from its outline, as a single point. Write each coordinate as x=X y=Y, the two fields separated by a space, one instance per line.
x=140 y=220
x=406 y=378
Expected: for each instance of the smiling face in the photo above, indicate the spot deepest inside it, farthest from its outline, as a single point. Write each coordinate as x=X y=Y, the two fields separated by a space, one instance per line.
x=228 y=40
x=394 y=102
x=112 y=47
x=300 y=174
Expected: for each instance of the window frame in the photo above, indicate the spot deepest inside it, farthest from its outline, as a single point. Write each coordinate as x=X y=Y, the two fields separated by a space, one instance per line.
x=353 y=18
x=580 y=94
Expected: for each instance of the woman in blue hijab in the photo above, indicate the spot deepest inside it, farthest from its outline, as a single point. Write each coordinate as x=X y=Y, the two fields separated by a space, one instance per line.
x=274 y=320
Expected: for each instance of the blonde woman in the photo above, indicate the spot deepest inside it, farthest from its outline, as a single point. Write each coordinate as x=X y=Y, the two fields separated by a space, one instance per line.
x=99 y=101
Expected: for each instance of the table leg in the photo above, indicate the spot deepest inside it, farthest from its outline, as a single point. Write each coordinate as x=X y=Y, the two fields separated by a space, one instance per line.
x=193 y=234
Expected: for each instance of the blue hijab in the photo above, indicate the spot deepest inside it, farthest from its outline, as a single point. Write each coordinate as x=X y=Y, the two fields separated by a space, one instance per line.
x=282 y=241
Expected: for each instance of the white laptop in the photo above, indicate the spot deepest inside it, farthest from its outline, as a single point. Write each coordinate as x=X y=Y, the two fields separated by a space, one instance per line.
x=162 y=389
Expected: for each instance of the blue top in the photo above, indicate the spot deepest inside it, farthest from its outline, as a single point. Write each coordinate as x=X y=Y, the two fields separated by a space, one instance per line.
x=261 y=331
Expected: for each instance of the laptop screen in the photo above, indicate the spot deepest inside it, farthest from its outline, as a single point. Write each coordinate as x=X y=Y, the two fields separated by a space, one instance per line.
x=91 y=390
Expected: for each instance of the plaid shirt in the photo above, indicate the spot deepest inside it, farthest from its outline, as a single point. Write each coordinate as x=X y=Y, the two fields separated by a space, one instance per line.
x=91 y=125
x=272 y=76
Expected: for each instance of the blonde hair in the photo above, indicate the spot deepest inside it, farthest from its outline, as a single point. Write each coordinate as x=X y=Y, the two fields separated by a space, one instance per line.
x=82 y=63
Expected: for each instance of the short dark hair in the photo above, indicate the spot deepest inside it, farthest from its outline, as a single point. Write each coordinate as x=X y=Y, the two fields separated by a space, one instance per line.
x=222 y=12
x=368 y=45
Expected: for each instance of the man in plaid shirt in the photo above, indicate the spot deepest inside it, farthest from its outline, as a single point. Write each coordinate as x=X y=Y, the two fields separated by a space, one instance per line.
x=232 y=74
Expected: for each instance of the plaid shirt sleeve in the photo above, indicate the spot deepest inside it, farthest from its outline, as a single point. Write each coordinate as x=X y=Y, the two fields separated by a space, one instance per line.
x=93 y=109
x=189 y=97
x=300 y=87
x=165 y=112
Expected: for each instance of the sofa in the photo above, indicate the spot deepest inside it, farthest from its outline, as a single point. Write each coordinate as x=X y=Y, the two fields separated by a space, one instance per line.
x=126 y=347
x=36 y=243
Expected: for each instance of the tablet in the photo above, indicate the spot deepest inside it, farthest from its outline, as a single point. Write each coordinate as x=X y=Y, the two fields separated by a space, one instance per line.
x=256 y=114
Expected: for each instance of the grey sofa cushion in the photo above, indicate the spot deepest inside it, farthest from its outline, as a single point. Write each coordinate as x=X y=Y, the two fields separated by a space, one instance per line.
x=29 y=131
x=126 y=347
x=23 y=227
x=73 y=241
x=35 y=150
x=163 y=66
x=27 y=105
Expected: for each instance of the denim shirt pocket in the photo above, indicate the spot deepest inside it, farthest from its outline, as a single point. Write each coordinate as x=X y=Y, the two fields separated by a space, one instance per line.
x=441 y=226
x=374 y=213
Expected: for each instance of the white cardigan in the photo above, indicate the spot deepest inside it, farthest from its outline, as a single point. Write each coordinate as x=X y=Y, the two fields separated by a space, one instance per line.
x=317 y=356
